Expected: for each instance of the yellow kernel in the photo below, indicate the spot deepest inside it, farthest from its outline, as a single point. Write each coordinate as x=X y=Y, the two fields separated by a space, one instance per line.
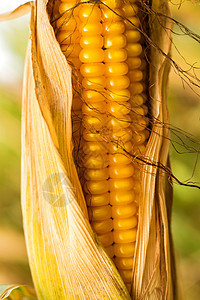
x=139 y=138
x=133 y=49
x=92 y=136
x=103 y=226
x=124 y=211
x=97 y=161
x=115 y=55
x=106 y=239
x=93 y=108
x=122 y=224
x=122 y=198
x=96 y=83
x=137 y=189
x=91 y=55
x=124 y=250
x=99 y=213
x=110 y=15
x=71 y=50
x=129 y=10
x=119 y=147
x=112 y=3
x=134 y=62
x=137 y=100
x=68 y=23
x=123 y=171
x=68 y=37
x=91 y=41
x=117 y=82
x=68 y=6
x=140 y=123
x=96 y=147
x=132 y=23
x=96 y=174
x=119 y=122
x=136 y=88
x=91 y=96
x=89 y=12
x=124 y=263
x=92 y=69
x=98 y=200
x=137 y=111
x=121 y=184
x=137 y=173
x=116 y=69
x=132 y=36
x=113 y=28
x=121 y=95
x=92 y=122
x=120 y=159
x=135 y=75
x=90 y=28
x=123 y=135
x=118 y=109
x=115 y=41
x=140 y=149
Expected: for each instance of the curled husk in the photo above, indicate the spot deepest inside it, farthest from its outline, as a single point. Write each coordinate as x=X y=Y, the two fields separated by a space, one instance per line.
x=18 y=292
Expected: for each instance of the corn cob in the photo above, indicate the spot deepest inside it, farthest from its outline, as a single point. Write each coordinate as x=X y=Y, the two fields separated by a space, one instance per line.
x=102 y=44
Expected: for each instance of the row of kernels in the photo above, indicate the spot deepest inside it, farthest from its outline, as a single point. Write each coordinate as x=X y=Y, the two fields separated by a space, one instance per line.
x=68 y=36
x=96 y=159
x=137 y=88
x=120 y=183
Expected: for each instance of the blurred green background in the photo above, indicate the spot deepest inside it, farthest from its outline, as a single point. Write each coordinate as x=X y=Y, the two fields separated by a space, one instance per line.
x=184 y=106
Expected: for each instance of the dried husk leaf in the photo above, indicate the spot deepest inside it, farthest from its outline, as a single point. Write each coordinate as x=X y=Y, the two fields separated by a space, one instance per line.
x=66 y=260
x=154 y=269
x=18 y=12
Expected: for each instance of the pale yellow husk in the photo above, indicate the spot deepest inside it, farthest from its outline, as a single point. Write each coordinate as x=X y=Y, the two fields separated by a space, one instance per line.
x=66 y=259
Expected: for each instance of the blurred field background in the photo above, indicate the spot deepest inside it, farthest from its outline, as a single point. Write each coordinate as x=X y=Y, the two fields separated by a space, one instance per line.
x=184 y=106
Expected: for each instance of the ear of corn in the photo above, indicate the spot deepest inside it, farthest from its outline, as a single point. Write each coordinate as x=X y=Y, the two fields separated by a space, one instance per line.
x=106 y=57
x=123 y=202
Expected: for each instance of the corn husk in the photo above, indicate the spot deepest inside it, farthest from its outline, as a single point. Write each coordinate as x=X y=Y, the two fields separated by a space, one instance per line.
x=67 y=261
x=154 y=269
x=17 y=292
